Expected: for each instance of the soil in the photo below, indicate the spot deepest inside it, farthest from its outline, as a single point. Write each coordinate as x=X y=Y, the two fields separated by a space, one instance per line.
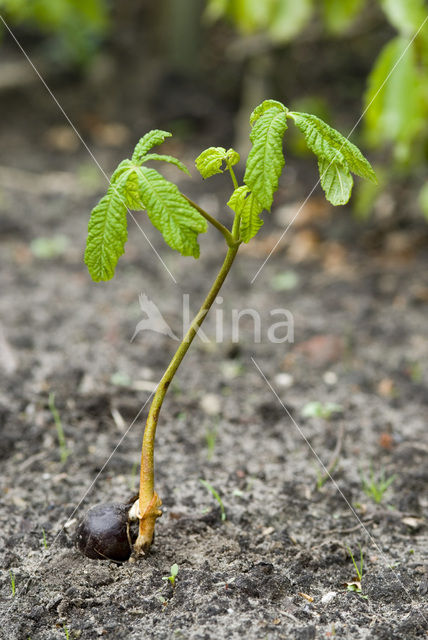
x=278 y=566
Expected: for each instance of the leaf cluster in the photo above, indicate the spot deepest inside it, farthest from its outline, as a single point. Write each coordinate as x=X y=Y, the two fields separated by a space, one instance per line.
x=136 y=186
x=337 y=159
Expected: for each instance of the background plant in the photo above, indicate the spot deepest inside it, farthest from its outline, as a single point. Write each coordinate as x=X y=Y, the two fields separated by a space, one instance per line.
x=395 y=103
x=74 y=28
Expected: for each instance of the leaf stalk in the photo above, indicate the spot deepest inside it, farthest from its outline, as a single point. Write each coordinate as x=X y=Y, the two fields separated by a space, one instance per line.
x=218 y=225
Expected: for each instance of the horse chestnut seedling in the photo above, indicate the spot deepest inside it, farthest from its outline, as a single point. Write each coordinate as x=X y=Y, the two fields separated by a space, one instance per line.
x=106 y=533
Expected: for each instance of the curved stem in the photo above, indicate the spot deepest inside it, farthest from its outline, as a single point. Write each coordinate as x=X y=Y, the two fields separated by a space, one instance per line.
x=226 y=233
x=149 y=502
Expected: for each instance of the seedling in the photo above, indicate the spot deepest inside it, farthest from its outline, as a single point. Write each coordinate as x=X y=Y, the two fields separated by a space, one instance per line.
x=64 y=452
x=44 y=539
x=375 y=487
x=215 y=495
x=318 y=409
x=355 y=585
x=135 y=186
x=210 y=439
x=173 y=574
x=12 y=583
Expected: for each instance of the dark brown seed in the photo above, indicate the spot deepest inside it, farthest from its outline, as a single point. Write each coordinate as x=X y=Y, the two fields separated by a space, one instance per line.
x=105 y=533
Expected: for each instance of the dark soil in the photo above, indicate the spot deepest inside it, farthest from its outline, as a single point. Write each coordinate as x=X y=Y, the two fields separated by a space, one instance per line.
x=279 y=564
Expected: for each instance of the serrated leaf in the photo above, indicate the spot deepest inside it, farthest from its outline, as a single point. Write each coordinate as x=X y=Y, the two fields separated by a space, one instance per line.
x=130 y=189
x=107 y=234
x=243 y=202
x=329 y=144
x=265 y=160
x=126 y=182
x=170 y=212
x=336 y=181
x=169 y=159
x=265 y=106
x=121 y=168
x=210 y=161
x=149 y=140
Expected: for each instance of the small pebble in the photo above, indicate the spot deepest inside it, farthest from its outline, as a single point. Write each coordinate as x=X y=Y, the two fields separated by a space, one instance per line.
x=284 y=380
x=330 y=378
x=211 y=404
x=328 y=597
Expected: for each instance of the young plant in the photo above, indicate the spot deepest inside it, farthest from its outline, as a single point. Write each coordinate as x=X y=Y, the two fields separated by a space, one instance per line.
x=318 y=409
x=355 y=584
x=375 y=487
x=12 y=583
x=136 y=186
x=173 y=574
x=215 y=494
x=44 y=539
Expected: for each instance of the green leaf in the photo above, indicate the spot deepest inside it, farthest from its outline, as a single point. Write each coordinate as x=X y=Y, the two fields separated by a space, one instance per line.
x=423 y=200
x=107 y=234
x=244 y=203
x=151 y=139
x=170 y=212
x=232 y=157
x=336 y=181
x=121 y=168
x=339 y=14
x=265 y=160
x=265 y=106
x=125 y=180
x=405 y=15
x=329 y=144
x=251 y=15
x=288 y=19
x=210 y=161
x=130 y=188
x=169 y=159
x=395 y=108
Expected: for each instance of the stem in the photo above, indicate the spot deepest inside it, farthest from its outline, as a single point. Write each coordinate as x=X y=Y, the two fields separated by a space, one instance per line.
x=226 y=233
x=149 y=502
x=232 y=175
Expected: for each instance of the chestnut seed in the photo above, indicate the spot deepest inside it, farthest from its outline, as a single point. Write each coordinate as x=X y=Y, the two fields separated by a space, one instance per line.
x=106 y=533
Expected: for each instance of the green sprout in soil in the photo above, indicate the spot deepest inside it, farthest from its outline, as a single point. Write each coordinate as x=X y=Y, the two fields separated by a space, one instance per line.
x=215 y=494
x=64 y=452
x=375 y=486
x=355 y=585
x=44 y=539
x=210 y=440
x=12 y=583
x=136 y=186
x=67 y=632
x=318 y=409
x=173 y=574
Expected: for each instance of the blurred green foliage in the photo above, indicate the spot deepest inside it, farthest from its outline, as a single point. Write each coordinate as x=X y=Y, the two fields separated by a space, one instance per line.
x=75 y=27
x=396 y=98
